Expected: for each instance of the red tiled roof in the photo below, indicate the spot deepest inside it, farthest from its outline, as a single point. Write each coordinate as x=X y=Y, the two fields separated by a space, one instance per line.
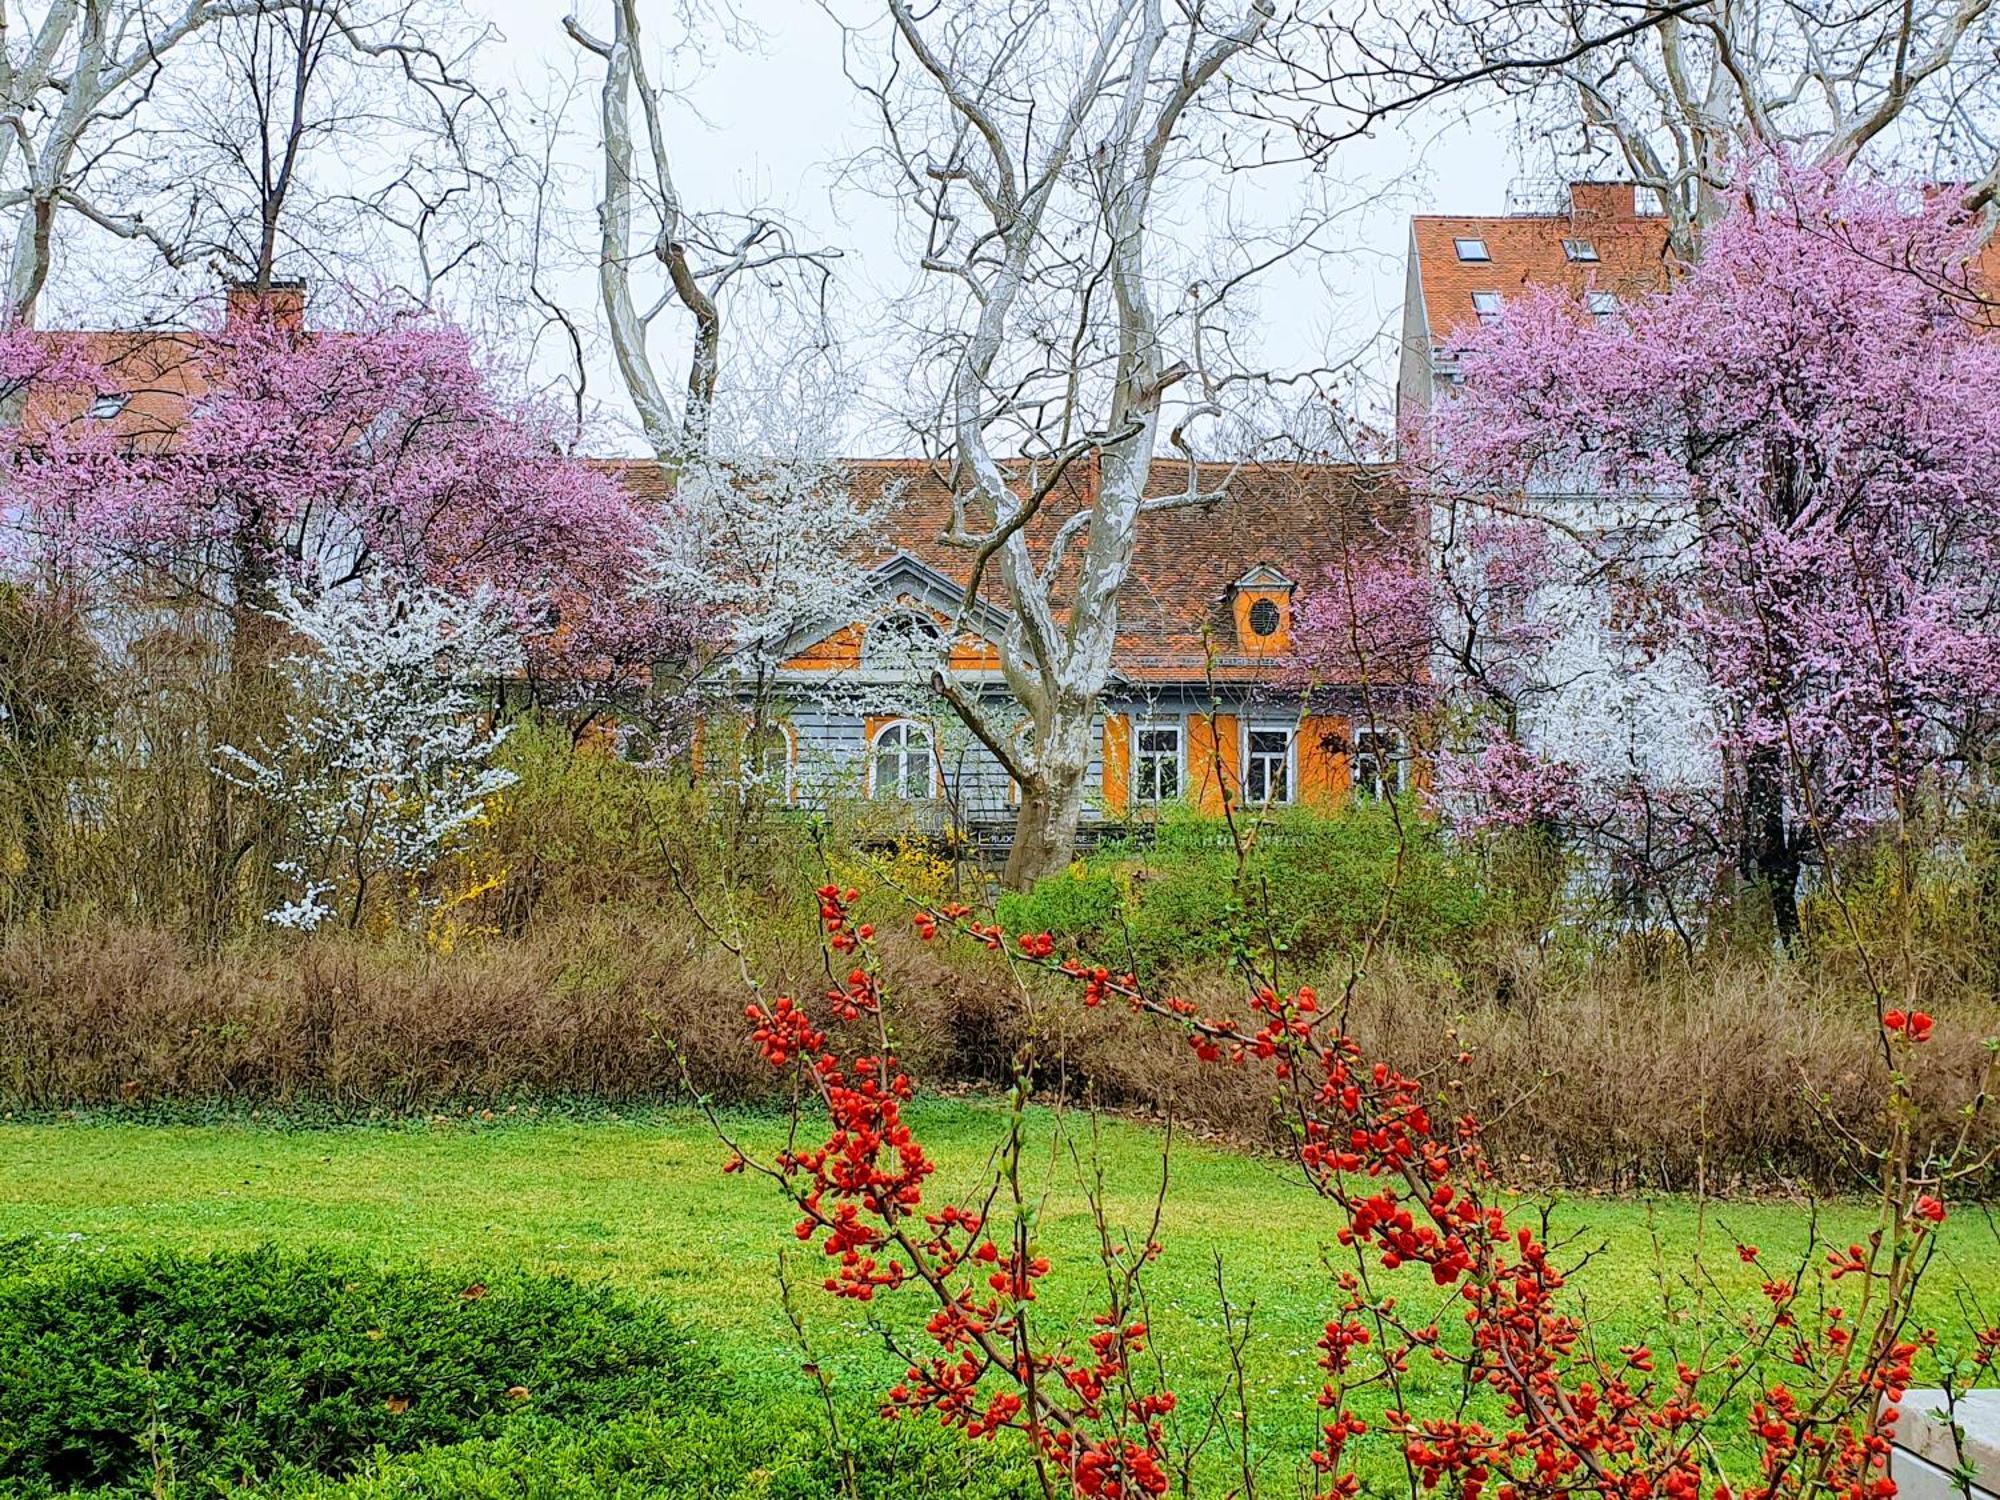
x=1303 y=519
x=159 y=372
x=1527 y=250
x=1174 y=612
x=159 y=375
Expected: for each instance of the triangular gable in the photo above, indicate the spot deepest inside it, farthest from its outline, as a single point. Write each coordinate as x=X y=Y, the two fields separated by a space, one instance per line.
x=903 y=580
x=908 y=576
x=1263 y=576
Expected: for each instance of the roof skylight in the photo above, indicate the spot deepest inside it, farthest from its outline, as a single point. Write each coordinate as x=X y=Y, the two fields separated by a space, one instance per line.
x=1579 y=249
x=1487 y=305
x=1471 y=248
x=108 y=405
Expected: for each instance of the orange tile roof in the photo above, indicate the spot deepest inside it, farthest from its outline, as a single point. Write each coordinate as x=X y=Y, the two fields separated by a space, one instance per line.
x=158 y=373
x=1303 y=519
x=1527 y=250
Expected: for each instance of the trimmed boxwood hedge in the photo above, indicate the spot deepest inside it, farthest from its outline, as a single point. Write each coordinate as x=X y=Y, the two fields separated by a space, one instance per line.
x=145 y=1371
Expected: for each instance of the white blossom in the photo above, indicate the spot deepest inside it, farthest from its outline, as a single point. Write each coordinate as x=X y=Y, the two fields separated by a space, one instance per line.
x=763 y=548
x=383 y=765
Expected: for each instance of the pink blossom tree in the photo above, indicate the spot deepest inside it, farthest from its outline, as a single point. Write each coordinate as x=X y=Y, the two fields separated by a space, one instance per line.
x=1782 y=466
x=382 y=449
x=264 y=463
x=381 y=453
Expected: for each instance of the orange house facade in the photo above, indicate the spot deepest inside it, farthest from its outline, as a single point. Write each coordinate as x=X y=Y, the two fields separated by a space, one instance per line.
x=1204 y=700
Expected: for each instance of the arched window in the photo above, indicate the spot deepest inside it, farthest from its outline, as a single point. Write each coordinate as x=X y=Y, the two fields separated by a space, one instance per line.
x=901 y=763
x=769 y=760
x=901 y=642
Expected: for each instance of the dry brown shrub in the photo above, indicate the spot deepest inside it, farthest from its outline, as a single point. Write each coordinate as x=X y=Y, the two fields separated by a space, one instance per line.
x=1621 y=1076
x=1732 y=1077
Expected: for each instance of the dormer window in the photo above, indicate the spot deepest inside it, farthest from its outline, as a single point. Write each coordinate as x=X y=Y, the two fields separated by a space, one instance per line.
x=1263 y=611
x=1471 y=248
x=1487 y=306
x=1580 y=250
x=108 y=405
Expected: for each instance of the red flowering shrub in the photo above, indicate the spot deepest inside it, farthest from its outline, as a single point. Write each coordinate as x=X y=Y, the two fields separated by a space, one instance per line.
x=1414 y=1189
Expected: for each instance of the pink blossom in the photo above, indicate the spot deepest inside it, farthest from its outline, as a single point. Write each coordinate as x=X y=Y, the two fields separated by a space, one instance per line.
x=1801 y=432
x=381 y=452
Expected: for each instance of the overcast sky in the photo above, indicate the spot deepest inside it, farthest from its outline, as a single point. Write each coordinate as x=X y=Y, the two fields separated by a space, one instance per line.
x=774 y=124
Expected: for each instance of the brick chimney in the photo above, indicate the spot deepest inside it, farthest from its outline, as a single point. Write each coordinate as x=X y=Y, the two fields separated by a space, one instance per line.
x=283 y=304
x=1603 y=200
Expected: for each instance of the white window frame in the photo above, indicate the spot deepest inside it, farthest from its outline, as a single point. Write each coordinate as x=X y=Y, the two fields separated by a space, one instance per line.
x=1460 y=241
x=1178 y=729
x=1291 y=764
x=1392 y=763
x=930 y=754
x=1484 y=312
x=789 y=739
x=1581 y=251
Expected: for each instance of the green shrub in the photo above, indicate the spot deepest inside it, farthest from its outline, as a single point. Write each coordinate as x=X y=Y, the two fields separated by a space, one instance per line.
x=1078 y=904
x=1315 y=884
x=116 y=1370
x=1339 y=876
x=762 y=1449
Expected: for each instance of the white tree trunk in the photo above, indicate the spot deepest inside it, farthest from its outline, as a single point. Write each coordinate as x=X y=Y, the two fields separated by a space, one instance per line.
x=1135 y=81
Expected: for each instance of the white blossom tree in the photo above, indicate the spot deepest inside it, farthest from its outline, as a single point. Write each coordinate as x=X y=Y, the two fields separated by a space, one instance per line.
x=761 y=547
x=385 y=763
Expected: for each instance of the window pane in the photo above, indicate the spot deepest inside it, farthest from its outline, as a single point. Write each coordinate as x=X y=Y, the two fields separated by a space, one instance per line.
x=1377 y=767
x=902 y=761
x=1367 y=777
x=1471 y=249
x=1267 y=774
x=1156 y=763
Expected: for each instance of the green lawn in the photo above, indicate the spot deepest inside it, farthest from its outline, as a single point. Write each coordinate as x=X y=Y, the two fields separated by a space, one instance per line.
x=644 y=1204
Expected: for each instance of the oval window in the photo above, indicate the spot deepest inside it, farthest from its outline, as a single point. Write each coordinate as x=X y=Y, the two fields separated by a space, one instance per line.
x=1264 y=618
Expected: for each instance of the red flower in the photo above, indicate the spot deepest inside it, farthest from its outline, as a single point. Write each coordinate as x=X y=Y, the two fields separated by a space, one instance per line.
x=1915 y=1026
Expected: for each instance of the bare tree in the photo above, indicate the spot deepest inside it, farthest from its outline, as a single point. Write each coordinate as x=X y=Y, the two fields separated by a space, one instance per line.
x=1824 y=82
x=698 y=256
x=1031 y=148
x=1667 y=92
x=345 y=139
x=75 y=77
x=1671 y=92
